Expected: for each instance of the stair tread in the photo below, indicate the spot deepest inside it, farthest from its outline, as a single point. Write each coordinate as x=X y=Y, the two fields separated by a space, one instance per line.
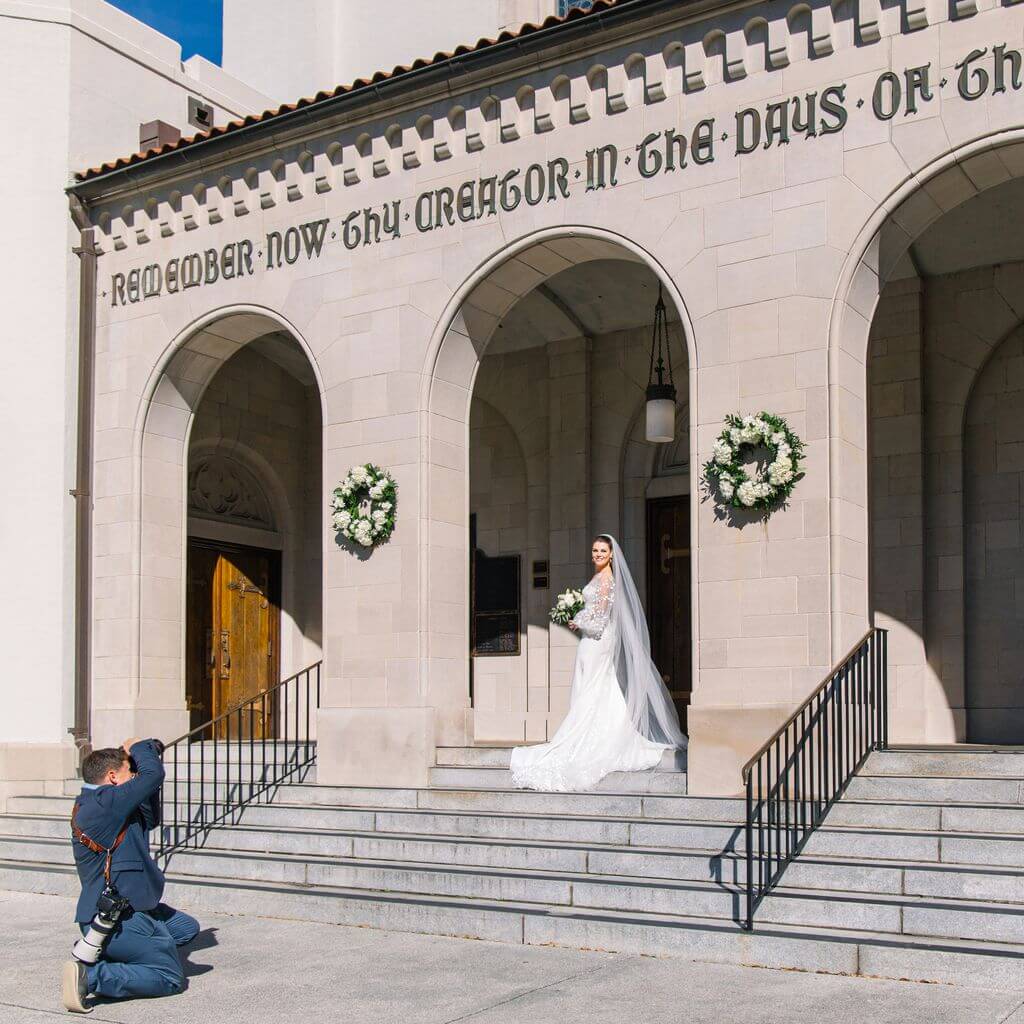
x=856 y=801
x=499 y=770
x=553 y=844
x=589 y=794
x=650 y=882
x=716 y=823
x=869 y=773
x=818 y=932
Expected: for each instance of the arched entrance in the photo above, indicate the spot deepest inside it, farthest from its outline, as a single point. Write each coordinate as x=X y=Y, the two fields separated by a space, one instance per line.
x=917 y=441
x=230 y=583
x=535 y=393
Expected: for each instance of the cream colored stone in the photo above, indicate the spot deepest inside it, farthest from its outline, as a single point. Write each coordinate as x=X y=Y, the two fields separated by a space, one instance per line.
x=375 y=746
x=785 y=329
x=721 y=741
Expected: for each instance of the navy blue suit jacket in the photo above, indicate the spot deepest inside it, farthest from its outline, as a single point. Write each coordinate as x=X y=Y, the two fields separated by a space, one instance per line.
x=102 y=813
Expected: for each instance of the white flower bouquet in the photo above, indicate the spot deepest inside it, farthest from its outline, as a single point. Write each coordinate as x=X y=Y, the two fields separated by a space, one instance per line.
x=568 y=604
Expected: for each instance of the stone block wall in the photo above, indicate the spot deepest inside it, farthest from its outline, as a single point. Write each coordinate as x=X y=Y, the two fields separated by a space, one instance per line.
x=967 y=316
x=943 y=404
x=509 y=485
x=895 y=402
x=624 y=463
x=994 y=554
x=498 y=497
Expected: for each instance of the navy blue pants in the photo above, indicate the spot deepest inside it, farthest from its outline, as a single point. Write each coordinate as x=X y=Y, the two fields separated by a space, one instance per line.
x=141 y=958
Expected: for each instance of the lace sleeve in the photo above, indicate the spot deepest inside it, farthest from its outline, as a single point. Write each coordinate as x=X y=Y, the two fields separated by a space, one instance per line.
x=593 y=619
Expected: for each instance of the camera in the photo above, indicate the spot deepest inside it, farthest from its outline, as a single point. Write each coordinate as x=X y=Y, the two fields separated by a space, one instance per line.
x=160 y=747
x=110 y=908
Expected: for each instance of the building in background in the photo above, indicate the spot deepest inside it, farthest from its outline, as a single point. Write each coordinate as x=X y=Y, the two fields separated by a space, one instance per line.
x=293 y=50
x=79 y=79
x=83 y=80
x=453 y=271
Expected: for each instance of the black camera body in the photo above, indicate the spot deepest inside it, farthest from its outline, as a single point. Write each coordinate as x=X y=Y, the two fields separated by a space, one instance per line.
x=111 y=904
x=110 y=908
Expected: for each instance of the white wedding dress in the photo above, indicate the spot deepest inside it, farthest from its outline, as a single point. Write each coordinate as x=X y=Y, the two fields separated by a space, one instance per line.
x=598 y=735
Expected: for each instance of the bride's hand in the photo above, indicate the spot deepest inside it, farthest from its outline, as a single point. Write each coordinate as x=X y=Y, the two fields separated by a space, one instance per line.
x=573 y=626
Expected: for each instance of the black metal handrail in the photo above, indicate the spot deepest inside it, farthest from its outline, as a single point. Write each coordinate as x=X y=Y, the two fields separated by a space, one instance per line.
x=803 y=768
x=205 y=786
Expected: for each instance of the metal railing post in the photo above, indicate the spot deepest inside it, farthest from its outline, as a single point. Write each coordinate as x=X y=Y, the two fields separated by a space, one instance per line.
x=833 y=731
x=749 y=840
x=190 y=821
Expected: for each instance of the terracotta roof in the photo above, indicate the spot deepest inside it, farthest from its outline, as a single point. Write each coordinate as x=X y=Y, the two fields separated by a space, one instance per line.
x=575 y=14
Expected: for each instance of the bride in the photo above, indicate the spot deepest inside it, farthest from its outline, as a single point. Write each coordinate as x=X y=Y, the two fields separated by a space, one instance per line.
x=621 y=718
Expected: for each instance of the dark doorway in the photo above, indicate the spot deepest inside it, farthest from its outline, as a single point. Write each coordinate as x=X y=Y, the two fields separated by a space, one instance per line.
x=232 y=634
x=668 y=595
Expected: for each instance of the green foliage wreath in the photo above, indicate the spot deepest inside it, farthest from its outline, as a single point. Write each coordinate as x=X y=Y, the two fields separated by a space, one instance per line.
x=363 y=506
x=768 y=488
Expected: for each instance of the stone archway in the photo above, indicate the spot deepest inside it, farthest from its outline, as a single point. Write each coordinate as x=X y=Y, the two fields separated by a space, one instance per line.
x=459 y=344
x=895 y=463
x=142 y=691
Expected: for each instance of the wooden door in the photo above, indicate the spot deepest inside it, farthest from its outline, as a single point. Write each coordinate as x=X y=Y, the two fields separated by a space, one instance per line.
x=668 y=595
x=199 y=651
x=233 y=624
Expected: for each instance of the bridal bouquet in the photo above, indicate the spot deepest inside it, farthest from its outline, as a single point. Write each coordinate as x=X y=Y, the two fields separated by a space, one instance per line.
x=568 y=604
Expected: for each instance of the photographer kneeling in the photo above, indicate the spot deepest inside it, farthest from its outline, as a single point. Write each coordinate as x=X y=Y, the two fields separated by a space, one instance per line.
x=130 y=938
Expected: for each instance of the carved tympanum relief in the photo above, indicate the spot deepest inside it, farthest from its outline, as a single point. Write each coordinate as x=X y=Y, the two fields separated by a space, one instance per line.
x=221 y=488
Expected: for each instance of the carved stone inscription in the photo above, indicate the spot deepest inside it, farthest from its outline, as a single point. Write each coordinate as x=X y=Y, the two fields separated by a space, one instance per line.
x=894 y=94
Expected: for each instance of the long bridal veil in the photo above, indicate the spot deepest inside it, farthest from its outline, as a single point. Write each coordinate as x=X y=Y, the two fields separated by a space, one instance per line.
x=650 y=706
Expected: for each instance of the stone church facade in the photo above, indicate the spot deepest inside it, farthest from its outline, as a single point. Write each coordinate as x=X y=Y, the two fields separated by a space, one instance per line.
x=451 y=271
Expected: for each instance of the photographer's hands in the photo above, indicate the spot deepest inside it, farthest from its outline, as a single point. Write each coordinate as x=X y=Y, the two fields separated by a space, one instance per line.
x=147 y=775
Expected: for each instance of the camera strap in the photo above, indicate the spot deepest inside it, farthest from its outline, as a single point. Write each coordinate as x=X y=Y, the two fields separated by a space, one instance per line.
x=90 y=844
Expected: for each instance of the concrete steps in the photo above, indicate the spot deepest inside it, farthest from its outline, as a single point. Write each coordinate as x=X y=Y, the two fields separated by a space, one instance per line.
x=800 y=947
x=948 y=762
x=616 y=782
x=896 y=885
x=899 y=914
x=487 y=768
x=499 y=757
x=598 y=828
x=842 y=874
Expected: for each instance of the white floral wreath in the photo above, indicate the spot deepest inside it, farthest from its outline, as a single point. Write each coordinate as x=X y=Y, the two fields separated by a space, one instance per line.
x=767 y=489
x=363 y=507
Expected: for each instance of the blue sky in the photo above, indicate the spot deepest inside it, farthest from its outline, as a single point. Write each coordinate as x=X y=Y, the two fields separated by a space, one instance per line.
x=196 y=24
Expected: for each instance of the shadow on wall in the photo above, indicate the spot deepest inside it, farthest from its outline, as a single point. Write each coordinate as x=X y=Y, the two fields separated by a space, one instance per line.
x=945 y=374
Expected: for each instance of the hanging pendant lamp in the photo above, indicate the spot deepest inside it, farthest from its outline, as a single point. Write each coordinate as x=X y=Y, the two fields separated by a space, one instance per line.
x=661 y=396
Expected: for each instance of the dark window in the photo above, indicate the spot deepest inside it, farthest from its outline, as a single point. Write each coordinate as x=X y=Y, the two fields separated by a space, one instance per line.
x=565 y=6
x=496 y=619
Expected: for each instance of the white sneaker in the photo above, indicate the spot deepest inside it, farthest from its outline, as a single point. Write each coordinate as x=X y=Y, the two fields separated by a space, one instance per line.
x=74 y=987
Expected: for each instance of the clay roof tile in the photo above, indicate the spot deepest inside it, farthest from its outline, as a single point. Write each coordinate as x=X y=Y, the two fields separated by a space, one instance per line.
x=120 y=163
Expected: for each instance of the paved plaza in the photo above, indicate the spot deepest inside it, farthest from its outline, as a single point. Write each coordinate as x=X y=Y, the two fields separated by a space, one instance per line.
x=250 y=970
